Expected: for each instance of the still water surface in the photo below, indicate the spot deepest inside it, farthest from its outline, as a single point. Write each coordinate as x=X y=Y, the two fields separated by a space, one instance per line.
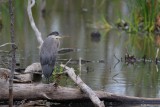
x=77 y=20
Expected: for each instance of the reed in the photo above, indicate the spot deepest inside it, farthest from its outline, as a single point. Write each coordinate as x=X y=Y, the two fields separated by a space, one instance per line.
x=143 y=14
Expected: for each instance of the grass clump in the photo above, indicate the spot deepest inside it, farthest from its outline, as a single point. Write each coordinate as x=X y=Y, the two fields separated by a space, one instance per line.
x=143 y=15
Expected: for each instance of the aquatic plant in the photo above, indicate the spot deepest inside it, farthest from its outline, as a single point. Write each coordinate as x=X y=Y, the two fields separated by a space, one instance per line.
x=143 y=15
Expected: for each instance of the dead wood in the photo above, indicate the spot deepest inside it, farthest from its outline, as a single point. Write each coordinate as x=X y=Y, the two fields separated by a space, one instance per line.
x=87 y=90
x=35 y=67
x=70 y=71
x=63 y=94
x=66 y=50
x=31 y=3
x=25 y=77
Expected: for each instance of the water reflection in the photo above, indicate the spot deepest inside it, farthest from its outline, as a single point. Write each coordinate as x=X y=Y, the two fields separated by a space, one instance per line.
x=95 y=36
x=69 y=18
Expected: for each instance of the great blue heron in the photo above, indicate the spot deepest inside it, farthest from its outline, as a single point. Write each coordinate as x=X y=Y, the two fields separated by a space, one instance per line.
x=48 y=54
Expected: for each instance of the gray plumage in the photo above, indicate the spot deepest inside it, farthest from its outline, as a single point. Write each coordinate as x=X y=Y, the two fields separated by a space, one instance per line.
x=48 y=54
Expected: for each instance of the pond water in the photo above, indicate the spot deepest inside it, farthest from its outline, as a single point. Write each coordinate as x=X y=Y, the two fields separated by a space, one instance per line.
x=77 y=20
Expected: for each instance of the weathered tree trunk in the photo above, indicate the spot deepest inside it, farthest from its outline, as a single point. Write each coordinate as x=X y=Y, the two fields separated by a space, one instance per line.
x=50 y=92
x=62 y=94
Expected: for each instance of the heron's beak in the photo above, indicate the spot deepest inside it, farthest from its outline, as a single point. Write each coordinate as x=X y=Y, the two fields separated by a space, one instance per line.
x=58 y=37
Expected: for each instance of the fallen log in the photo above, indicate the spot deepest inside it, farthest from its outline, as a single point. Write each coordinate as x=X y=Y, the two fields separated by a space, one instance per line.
x=70 y=71
x=63 y=94
x=42 y=91
x=36 y=67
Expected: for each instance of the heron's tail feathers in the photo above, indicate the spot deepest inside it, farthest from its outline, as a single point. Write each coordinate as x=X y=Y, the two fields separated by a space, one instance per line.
x=47 y=70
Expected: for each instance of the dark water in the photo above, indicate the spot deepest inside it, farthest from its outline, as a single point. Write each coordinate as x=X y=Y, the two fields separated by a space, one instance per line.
x=77 y=20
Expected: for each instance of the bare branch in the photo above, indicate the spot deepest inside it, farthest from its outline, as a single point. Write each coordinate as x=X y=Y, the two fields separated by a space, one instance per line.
x=92 y=95
x=31 y=3
x=7 y=44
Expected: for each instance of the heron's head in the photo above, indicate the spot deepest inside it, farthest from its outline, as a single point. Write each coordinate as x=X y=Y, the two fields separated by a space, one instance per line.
x=54 y=35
